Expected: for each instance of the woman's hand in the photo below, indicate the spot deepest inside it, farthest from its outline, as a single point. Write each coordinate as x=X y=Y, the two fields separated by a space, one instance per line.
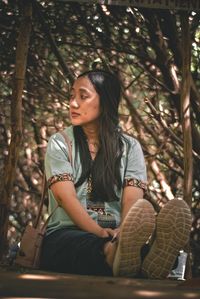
x=107 y=232
x=116 y=234
x=117 y=230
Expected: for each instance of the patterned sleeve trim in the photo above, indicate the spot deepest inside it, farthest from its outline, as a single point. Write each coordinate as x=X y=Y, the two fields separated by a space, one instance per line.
x=135 y=183
x=59 y=178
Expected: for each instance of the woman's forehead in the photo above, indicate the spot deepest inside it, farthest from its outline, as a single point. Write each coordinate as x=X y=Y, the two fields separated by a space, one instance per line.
x=83 y=83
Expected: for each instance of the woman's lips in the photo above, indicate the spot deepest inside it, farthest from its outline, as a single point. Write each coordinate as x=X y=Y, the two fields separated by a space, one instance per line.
x=74 y=114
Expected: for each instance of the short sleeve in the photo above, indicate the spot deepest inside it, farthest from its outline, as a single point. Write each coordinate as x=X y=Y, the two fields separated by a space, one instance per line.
x=57 y=164
x=135 y=173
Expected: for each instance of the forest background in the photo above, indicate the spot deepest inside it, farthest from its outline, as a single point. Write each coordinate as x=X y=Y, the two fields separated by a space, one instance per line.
x=145 y=47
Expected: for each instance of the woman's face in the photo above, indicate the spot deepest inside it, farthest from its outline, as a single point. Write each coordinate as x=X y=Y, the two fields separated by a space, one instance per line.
x=84 y=103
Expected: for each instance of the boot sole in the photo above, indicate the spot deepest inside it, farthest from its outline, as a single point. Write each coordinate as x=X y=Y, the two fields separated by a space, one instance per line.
x=172 y=233
x=136 y=229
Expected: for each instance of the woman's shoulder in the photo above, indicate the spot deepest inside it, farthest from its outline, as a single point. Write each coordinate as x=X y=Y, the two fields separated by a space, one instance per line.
x=130 y=139
x=59 y=135
x=60 y=140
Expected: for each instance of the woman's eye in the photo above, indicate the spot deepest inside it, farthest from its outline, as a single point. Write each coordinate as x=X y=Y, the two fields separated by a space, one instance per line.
x=84 y=96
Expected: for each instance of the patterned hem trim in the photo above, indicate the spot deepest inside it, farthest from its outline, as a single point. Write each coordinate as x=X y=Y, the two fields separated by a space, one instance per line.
x=59 y=178
x=135 y=183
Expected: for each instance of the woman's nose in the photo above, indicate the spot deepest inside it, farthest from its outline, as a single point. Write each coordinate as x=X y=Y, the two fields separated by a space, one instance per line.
x=74 y=103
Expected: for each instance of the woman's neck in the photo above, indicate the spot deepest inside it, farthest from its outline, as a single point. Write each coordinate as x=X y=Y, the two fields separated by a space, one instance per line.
x=92 y=132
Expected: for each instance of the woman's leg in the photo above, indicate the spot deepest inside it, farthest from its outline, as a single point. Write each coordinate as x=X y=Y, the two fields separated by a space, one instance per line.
x=173 y=228
x=75 y=251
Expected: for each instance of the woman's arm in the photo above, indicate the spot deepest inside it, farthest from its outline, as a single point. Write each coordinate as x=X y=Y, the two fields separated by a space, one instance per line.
x=130 y=196
x=65 y=194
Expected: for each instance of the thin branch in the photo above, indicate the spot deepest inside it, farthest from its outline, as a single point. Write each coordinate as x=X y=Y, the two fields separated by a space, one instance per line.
x=67 y=71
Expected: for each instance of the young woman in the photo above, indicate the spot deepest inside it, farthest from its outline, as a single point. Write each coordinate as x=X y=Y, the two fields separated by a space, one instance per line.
x=102 y=222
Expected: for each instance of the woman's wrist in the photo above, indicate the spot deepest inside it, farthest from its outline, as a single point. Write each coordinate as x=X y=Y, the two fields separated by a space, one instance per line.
x=102 y=233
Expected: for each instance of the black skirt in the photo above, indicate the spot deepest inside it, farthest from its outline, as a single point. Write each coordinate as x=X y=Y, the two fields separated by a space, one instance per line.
x=74 y=251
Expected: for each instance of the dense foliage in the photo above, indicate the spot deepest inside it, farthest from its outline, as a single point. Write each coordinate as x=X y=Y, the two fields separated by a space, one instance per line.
x=144 y=47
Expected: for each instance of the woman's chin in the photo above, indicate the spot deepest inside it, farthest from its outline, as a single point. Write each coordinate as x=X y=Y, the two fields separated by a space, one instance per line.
x=76 y=122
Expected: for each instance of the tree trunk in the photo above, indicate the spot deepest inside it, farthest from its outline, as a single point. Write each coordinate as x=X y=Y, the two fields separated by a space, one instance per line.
x=16 y=122
x=185 y=104
x=186 y=122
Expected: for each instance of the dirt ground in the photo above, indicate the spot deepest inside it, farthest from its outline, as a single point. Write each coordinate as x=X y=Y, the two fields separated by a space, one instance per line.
x=23 y=283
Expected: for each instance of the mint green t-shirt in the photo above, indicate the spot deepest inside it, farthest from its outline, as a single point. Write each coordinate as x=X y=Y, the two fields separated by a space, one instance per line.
x=59 y=168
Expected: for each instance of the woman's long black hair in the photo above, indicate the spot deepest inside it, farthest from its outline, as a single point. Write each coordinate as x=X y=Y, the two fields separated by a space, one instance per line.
x=105 y=169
